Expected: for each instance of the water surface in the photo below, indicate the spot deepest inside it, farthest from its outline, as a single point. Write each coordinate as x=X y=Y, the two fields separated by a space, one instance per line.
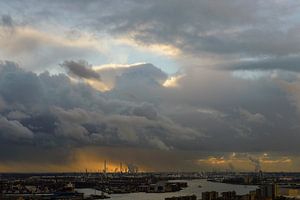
x=191 y=189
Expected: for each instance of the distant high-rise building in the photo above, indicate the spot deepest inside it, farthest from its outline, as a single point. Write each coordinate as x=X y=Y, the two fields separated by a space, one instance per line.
x=104 y=167
x=268 y=191
x=229 y=195
x=260 y=175
x=213 y=195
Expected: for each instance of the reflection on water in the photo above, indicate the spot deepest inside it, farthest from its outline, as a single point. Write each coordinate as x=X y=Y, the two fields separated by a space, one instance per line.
x=191 y=189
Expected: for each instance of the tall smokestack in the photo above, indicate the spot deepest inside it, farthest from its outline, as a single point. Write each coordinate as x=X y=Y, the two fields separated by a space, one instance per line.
x=104 y=167
x=231 y=167
x=256 y=163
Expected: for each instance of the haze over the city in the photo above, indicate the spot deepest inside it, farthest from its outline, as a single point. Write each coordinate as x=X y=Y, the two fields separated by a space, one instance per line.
x=163 y=85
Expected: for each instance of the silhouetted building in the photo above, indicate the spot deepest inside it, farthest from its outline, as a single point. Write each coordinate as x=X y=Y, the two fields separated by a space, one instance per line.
x=192 y=197
x=268 y=191
x=229 y=195
x=213 y=195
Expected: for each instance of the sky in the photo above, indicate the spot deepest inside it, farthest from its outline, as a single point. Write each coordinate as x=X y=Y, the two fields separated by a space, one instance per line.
x=195 y=85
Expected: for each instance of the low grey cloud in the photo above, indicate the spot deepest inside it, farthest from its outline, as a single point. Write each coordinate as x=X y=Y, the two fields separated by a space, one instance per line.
x=80 y=69
x=17 y=115
x=288 y=63
x=292 y=89
x=14 y=130
x=6 y=20
x=20 y=41
x=229 y=32
x=236 y=28
x=252 y=117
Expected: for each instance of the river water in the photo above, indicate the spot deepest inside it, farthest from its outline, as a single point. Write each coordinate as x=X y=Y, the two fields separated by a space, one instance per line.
x=190 y=190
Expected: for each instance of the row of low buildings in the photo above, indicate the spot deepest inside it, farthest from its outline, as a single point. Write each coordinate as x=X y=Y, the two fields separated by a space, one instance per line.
x=63 y=187
x=264 y=192
x=189 y=197
x=44 y=196
x=289 y=191
x=162 y=186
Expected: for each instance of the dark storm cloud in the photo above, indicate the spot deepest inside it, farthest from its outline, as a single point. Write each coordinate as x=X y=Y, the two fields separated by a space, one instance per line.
x=17 y=86
x=144 y=75
x=23 y=153
x=191 y=118
x=234 y=115
x=6 y=20
x=288 y=63
x=12 y=129
x=59 y=112
x=52 y=111
x=17 y=115
x=147 y=110
x=80 y=69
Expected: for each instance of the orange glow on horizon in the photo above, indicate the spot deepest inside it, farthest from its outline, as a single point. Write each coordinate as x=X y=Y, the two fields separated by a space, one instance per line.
x=82 y=159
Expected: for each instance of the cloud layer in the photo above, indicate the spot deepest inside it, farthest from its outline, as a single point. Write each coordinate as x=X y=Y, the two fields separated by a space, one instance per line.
x=210 y=79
